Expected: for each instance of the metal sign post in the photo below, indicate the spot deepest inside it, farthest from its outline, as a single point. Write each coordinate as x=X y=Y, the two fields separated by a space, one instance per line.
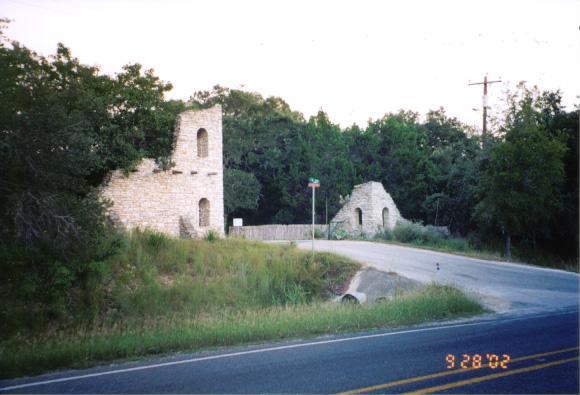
x=313 y=183
x=327 y=224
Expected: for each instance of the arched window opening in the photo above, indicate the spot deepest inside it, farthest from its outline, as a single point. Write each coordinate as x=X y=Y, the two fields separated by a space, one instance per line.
x=202 y=143
x=385 y=217
x=358 y=215
x=203 y=212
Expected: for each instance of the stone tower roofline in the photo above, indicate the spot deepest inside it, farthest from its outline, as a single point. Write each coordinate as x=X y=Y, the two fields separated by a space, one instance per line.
x=185 y=138
x=369 y=184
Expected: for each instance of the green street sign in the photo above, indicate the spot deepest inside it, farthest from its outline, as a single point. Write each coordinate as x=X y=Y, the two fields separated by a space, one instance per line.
x=314 y=180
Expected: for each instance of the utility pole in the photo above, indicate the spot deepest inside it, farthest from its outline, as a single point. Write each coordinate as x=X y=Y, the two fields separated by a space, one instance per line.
x=484 y=102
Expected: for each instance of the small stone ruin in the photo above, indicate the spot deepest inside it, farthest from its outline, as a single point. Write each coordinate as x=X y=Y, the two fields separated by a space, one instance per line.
x=368 y=210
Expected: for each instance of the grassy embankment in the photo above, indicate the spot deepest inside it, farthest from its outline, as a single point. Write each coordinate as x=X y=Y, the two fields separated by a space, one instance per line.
x=162 y=295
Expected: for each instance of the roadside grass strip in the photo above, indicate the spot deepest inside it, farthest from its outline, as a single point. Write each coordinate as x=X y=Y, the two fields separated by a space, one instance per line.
x=474 y=380
x=84 y=349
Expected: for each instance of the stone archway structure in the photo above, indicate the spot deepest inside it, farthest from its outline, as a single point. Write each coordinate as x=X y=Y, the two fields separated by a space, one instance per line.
x=367 y=210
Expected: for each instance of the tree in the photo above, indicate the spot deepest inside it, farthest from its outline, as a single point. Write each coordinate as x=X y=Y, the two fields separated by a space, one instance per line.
x=396 y=152
x=241 y=191
x=563 y=235
x=454 y=154
x=519 y=190
x=63 y=126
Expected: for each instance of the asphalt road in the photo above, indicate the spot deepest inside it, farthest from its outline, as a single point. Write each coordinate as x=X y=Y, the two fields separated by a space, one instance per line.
x=543 y=351
x=501 y=286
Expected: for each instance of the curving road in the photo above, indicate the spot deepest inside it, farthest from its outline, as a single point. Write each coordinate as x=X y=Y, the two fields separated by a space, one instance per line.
x=501 y=286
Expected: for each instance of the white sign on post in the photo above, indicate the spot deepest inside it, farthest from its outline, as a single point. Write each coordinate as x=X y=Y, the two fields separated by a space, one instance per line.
x=238 y=222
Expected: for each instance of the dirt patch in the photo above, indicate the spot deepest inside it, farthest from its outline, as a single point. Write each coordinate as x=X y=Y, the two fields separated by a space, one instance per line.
x=166 y=280
x=491 y=302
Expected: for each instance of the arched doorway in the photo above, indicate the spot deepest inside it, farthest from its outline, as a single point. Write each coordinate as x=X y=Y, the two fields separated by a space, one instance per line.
x=203 y=213
x=358 y=216
x=202 y=143
x=385 y=218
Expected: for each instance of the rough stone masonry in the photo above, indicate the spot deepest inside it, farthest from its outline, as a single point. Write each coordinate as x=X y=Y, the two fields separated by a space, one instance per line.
x=367 y=210
x=188 y=199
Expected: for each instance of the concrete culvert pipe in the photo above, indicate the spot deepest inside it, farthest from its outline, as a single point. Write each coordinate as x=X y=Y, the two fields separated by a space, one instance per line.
x=354 y=297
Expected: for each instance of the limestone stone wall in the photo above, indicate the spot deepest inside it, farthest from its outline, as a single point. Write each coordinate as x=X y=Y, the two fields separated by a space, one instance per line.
x=276 y=232
x=376 y=205
x=171 y=201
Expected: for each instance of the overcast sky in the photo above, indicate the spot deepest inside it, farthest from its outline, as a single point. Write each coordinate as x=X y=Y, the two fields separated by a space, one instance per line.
x=354 y=59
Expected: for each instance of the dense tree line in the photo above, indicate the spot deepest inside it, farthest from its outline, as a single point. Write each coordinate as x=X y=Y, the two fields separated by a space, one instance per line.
x=64 y=126
x=522 y=185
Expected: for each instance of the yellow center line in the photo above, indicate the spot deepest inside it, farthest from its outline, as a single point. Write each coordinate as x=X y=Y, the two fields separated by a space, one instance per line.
x=462 y=383
x=447 y=373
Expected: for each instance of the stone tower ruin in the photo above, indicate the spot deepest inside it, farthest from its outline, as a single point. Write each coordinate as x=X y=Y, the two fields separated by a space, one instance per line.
x=367 y=210
x=188 y=199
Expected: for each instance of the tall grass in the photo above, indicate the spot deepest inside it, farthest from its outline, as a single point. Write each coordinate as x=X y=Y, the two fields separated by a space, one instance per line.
x=153 y=276
x=88 y=346
x=156 y=276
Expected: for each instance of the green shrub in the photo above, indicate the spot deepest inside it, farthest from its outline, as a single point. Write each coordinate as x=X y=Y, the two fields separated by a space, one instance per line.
x=340 y=234
x=414 y=233
x=431 y=237
x=457 y=244
x=318 y=234
x=362 y=236
x=384 y=234
x=155 y=241
x=442 y=231
x=211 y=236
x=408 y=232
